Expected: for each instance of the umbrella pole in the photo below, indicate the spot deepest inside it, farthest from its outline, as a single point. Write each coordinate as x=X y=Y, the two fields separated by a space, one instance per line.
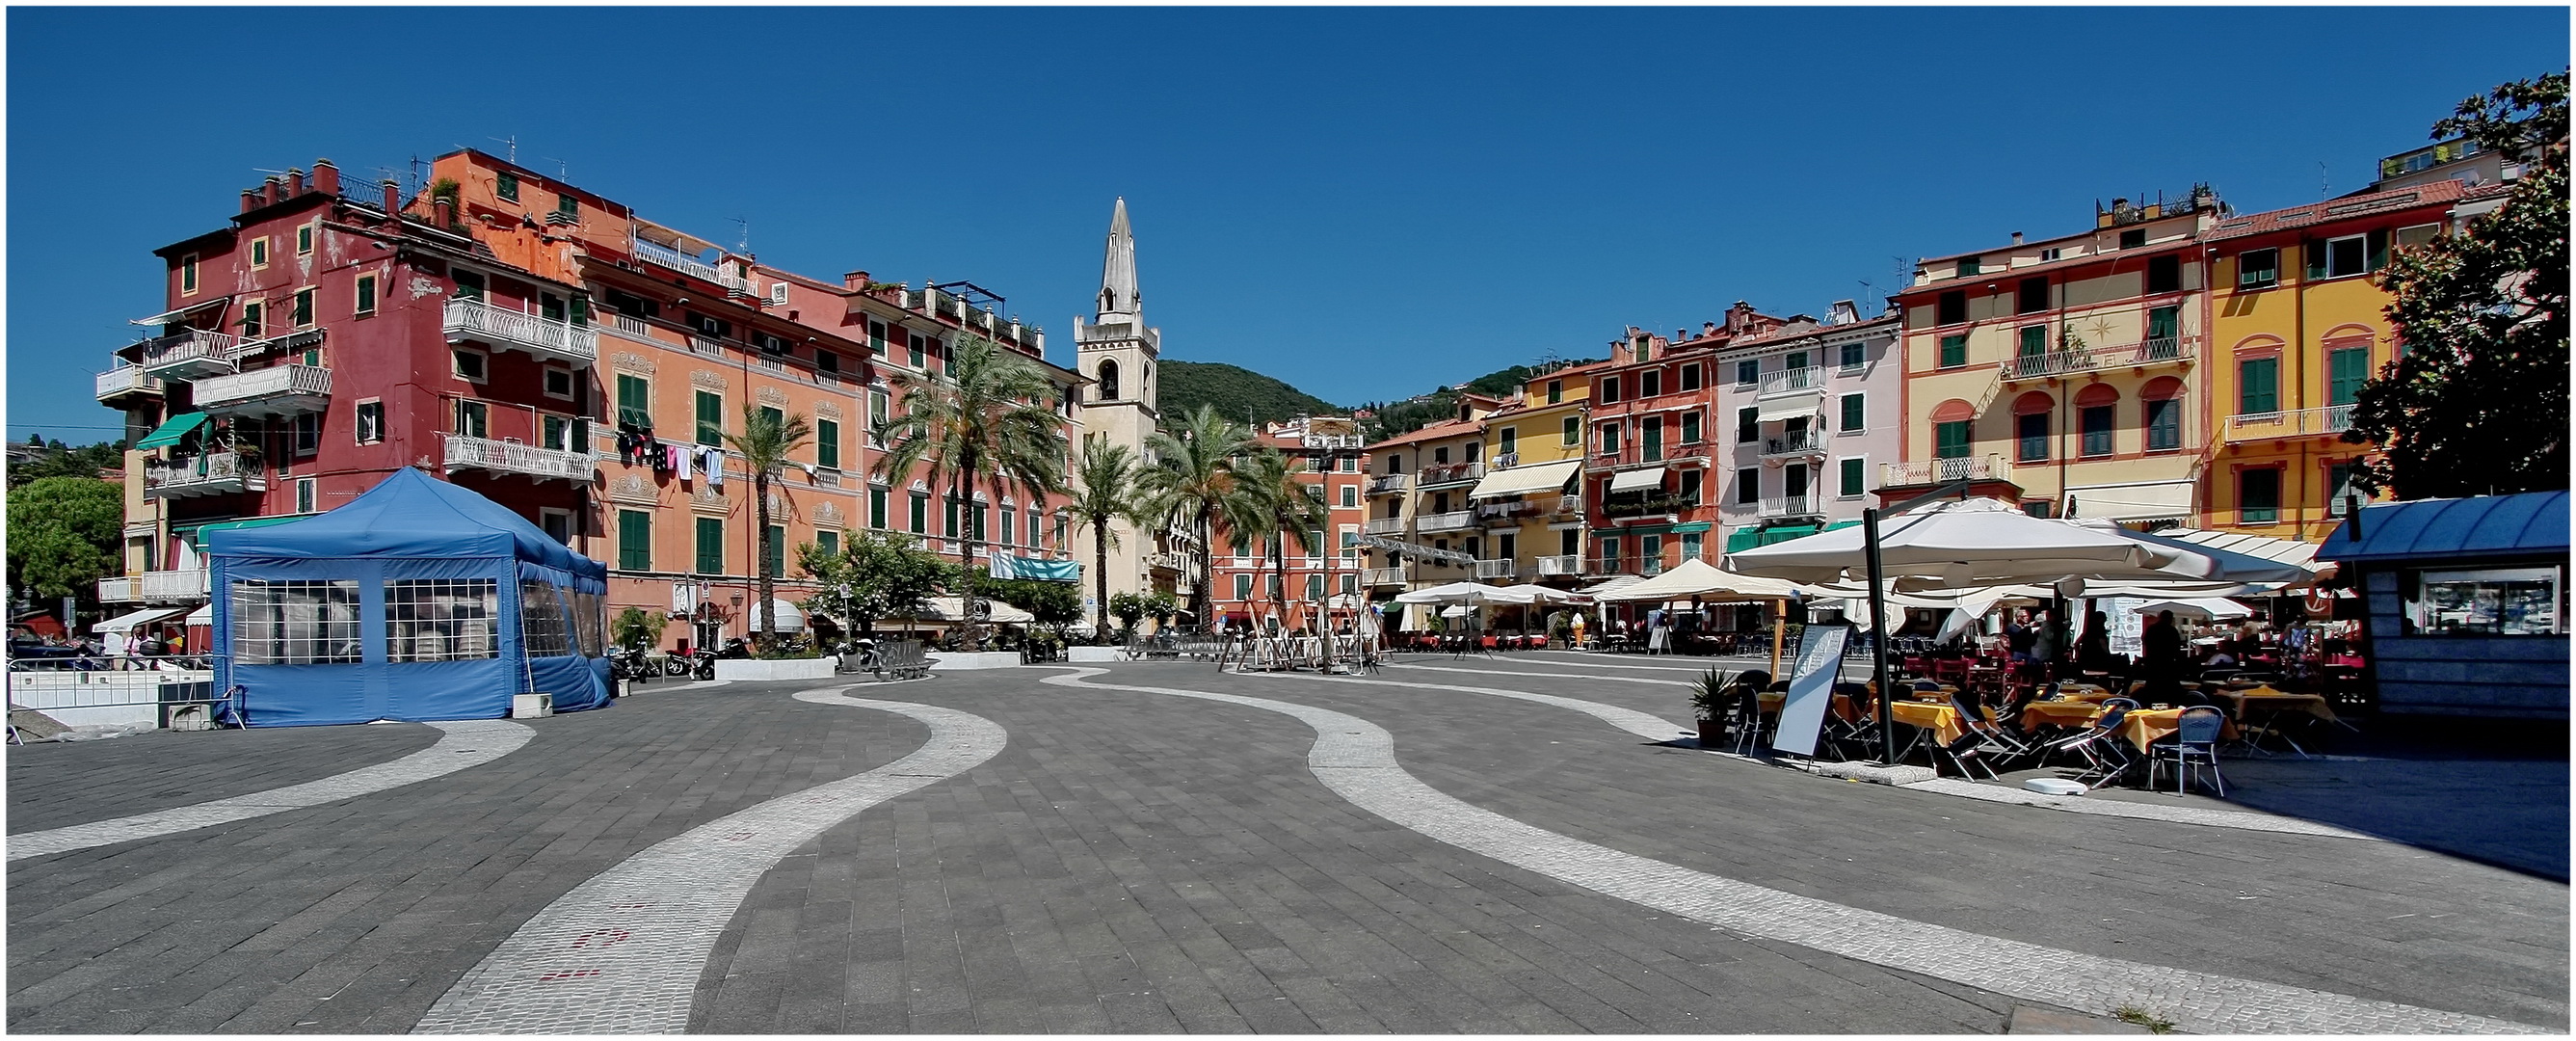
x=1878 y=639
x=1779 y=633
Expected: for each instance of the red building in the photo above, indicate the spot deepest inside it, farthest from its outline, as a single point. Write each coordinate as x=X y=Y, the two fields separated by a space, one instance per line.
x=1651 y=490
x=1329 y=456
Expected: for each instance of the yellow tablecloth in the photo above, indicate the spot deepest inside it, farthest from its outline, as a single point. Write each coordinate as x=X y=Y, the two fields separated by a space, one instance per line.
x=2059 y=713
x=1942 y=720
x=2268 y=701
x=2143 y=727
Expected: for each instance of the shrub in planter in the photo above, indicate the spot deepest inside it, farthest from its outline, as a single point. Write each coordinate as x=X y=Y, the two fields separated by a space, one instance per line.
x=1711 y=692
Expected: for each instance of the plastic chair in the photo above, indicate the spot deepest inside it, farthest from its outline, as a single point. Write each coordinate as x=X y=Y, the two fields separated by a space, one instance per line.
x=2195 y=742
x=2100 y=745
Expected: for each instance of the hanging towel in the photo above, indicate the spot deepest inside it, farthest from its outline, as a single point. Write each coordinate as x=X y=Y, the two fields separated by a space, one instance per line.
x=686 y=457
x=712 y=458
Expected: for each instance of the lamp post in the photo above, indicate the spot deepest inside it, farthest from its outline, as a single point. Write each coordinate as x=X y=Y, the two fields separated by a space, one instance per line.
x=1878 y=606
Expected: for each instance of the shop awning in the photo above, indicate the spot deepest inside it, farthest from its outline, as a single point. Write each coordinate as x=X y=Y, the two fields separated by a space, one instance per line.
x=200 y=530
x=2137 y=501
x=171 y=430
x=203 y=615
x=1637 y=480
x=1789 y=408
x=167 y=317
x=2521 y=525
x=127 y=621
x=1610 y=585
x=1534 y=479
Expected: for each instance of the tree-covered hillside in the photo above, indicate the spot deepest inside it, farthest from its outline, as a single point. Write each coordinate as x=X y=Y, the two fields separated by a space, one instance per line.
x=1235 y=391
x=1403 y=417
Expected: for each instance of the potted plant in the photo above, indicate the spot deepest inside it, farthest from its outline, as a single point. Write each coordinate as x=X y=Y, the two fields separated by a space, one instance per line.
x=1709 y=694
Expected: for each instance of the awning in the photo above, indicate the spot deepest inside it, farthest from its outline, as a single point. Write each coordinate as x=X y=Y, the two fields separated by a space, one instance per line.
x=167 y=317
x=204 y=615
x=1610 y=585
x=171 y=430
x=201 y=530
x=1637 y=480
x=2527 y=524
x=1533 y=479
x=1789 y=408
x=127 y=621
x=2137 y=501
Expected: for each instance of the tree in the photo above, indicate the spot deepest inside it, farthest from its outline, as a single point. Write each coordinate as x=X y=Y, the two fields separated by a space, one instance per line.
x=61 y=461
x=65 y=533
x=636 y=627
x=990 y=421
x=1193 y=482
x=766 y=440
x=1161 y=607
x=2478 y=403
x=1129 y=609
x=1103 y=495
x=875 y=575
x=1050 y=604
x=1272 y=500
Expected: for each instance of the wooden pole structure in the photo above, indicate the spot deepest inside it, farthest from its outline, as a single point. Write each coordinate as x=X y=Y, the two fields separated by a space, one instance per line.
x=1779 y=633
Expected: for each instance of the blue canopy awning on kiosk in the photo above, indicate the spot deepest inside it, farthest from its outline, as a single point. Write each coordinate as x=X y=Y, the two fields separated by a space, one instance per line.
x=2521 y=525
x=329 y=654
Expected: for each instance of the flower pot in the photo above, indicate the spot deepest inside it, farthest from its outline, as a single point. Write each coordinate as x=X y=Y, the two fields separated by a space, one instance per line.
x=1712 y=733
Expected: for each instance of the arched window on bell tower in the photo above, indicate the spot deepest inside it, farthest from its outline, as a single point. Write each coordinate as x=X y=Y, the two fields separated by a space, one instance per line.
x=1108 y=301
x=1108 y=376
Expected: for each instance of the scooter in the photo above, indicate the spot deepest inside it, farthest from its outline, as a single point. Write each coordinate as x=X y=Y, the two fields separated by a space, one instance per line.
x=704 y=666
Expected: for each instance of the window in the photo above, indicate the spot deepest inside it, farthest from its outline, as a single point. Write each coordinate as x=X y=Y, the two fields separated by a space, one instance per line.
x=1034 y=518
x=920 y=513
x=877 y=338
x=778 y=294
x=506 y=185
x=304 y=308
x=711 y=546
x=442 y=619
x=1748 y=486
x=948 y=515
x=1855 y=412
x=2164 y=332
x=1314 y=586
x=1644 y=349
x=1609 y=439
x=1950 y=440
x=470 y=415
x=1650 y=432
x=2484 y=602
x=1952 y=308
x=773 y=550
x=469 y=285
x=1650 y=383
x=558 y=383
x=2339 y=488
x=1242 y=586
x=188 y=274
x=1690 y=427
x=877 y=508
x=304 y=497
x=1689 y=490
x=880 y=408
x=2133 y=238
x=827 y=443
x=1794 y=362
x=1573 y=430
x=1610 y=555
x=2033 y=295
x=1609 y=390
x=1350 y=496
x=2417 y=234
x=1010 y=524
x=1854 y=357
x=1690 y=377
x=1511 y=441
x=2034 y=341
x=304 y=240
x=470 y=364
x=567 y=207
x=253 y=315
x=2040 y=508
x=919 y=346
x=635 y=540
x=296 y=623
x=2258 y=496
x=545 y=627
x=634 y=401
x=366 y=294
x=371 y=422
x=1748 y=425
x=1748 y=372
x=307 y=432
x=1350 y=583
x=2164 y=274
x=2164 y=424
x=710 y=418
x=2258 y=268
x=1555 y=391
x=259 y=253
x=2347 y=255
x=1853 y=481
x=2258 y=386
x=829 y=542
x=1971 y=266
x=826 y=361
x=1954 y=350
x=2031 y=437
x=1691 y=545
x=2095 y=420
x=2051 y=254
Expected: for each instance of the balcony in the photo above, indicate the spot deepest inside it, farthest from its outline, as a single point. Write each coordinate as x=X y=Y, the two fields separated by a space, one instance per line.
x=656 y=253
x=1629 y=506
x=279 y=390
x=2162 y=350
x=1389 y=484
x=1454 y=520
x=1499 y=512
x=1445 y=474
x=544 y=338
x=1566 y=566
x=1635 y=454
x=1809 y=380
x=154 y=587
x=1486 y=569
x=215 y=473
x=126 y=381
x=189 y=354
x=1382 y=576
x=1787 y=506
x=1798 y=444
x=511 y=457
x=1382 y=526
x=1172 y=562
x=2330 y=421
x=1926 y=472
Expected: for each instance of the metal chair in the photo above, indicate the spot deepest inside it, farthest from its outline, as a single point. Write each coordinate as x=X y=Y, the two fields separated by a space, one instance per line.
x=2100 y=745
x=2195 y=742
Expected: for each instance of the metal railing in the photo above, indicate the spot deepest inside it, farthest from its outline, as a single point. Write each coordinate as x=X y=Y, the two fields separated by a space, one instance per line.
x=1387 y=483
x=1808 y=505
x=127 y=379
x=683 y=263
x=2156 y=351
x=1792 y=381
x=1382 y=526
x=1622 y=507
x=191 y=350
x=1452 y=473
x=1454 y=520
x=276 y=381
x=2332 y=419
x=1803 y=442
x=151 y=586
x=520 y=329
x=1498 y=511
x=1382 y=576
x=213 y=473
x=483 y=453
x=1552 y=567
x=1494 y=569
x=1917 y=472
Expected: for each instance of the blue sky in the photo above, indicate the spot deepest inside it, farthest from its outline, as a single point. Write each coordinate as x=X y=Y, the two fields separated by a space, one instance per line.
x=1366 y=203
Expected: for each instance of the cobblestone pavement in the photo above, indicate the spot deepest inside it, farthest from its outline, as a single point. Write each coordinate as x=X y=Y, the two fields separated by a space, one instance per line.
x=1133 y=862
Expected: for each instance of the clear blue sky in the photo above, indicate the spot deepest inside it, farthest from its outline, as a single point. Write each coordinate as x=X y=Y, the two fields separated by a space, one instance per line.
x=1366 y=203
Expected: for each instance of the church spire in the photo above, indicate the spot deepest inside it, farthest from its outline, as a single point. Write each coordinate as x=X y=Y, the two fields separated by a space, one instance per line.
x=1118 y=299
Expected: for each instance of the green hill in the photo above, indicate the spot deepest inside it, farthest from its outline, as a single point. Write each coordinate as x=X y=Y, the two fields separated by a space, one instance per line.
x=1235 y=391
x=1403 y=417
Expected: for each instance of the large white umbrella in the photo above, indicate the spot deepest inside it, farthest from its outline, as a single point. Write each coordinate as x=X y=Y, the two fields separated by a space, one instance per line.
x=2210 y=608
x=1968 y=542
x=1460 y=592
x=1699 y=579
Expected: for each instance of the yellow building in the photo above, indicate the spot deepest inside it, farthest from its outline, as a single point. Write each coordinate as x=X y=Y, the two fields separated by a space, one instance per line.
x=2298 y=324
x=1417 y=497
x=2060 y=372
x=1533 y=526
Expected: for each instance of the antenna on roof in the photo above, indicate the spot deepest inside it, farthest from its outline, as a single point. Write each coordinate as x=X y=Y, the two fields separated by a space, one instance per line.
x=2322 y=189
x=513 y=142
x=415 y=173
x=563 y=170
x=743 y=246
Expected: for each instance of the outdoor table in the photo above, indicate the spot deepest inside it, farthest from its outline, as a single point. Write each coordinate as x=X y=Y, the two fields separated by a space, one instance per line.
x=2270 y=705
x=2144 y=727
x=2059 y=713
x=1941 y=719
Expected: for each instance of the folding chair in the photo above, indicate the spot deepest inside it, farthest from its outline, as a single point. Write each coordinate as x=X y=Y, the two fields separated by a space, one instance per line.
x=2100 y=746
x=1998 y=740
x=2195 y=742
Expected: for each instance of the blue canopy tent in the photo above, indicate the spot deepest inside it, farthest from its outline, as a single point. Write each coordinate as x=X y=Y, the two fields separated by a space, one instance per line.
x=418 y=600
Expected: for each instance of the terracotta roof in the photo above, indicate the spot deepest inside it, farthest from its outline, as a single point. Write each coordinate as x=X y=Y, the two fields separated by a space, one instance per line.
x=1444 y=428
x=2438 y=193
x=2005 y=274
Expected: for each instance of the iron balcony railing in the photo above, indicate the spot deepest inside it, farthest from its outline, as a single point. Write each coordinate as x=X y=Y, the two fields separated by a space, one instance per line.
x=2154 y=351
x=1490 y=512
x=1382 y=576
x=189 y=352
x=1383 y=526
x=1454 y=520
x=1559 y=566
x=1919 y=472
x=284 y=388
x=1385 y=484
x=126 y=379
x=1452 y=473
x=154 y=587
x=1803 y=442
x=1494 y=569
x=483 y=453
x=1792 y=381
x=1808 y=505
x=2306 y=422
x=468 y=318
x=212 y=473
x=683 y=263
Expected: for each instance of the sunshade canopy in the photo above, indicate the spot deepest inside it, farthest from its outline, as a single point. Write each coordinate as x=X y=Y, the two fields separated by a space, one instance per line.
x=1789 y=408
x=1461 y=592
x=1962 y=543
x=2134 y=501
x=953 y=609
x=1534 y=479
x=410 y=515
x=171 y=430
x=2201 y=607
x=1609 y=585
x=2491 y=526
x=1637 y=480
x=130 y=619
x=1699 y=579
x=175 y=314
x=786 y=617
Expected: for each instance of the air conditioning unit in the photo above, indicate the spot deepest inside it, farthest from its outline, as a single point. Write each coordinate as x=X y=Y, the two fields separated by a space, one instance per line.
x=778 y=293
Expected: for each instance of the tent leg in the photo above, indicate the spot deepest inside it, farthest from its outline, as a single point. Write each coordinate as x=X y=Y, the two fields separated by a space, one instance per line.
x=1878 y=640
x=1779 y=633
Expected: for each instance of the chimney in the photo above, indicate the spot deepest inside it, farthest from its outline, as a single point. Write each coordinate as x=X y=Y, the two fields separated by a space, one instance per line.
x=1708 y=328
x=268 y=191
x=393 y=198
x=293 y=185
x=1680 y=334
x=326 y=177
x=2016 y=238
x=250 y=199
x=443 y=212
x=854 y=281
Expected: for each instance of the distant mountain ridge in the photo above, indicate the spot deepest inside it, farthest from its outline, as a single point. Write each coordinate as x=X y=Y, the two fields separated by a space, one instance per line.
x=1237 y=392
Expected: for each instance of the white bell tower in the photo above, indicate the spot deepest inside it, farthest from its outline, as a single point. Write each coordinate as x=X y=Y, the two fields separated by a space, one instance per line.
x=1119 y=354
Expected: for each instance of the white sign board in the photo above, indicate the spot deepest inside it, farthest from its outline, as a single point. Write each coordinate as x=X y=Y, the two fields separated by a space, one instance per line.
x=1811 y=689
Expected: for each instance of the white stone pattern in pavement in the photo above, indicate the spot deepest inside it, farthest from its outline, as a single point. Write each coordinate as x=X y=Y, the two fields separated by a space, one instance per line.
x=1356 y=759
x=621 y=953
x=471 y=742
x=1661 y=730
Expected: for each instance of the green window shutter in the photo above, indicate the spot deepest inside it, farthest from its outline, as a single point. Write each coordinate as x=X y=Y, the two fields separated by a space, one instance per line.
x=1853 y=481
x=775 y=417
x=1954 y=350
x=2377 y=247
x=830 y=541
x=2034 y=340
x=711 y=546
x=773 y=553
x=948 y=522
x=2164 y=323
x=710 y=419
x=827 y=443
x=1573 y=430
x=507 y=186
x=635 y=540
x=2258 y=386
x=366 y=294
x=1852 y=409
x=2314 y=250
x=2164 y=424
x=1950 y=440
x=2348 y=369
x=877 y=508
x=920 y=513
x=634 y=401
x=581 y=309
x=2258 y=495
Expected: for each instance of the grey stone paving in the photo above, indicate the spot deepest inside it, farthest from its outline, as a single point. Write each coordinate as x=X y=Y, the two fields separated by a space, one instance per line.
x=53 y=784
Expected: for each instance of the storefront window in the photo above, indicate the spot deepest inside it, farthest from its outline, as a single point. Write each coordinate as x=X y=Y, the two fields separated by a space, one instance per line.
x=2486 y=602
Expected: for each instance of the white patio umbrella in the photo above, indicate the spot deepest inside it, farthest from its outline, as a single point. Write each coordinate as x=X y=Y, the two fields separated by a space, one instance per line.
x=2208 y=608
x=1967 y=542
x=1699 y=579
x=1459 y=592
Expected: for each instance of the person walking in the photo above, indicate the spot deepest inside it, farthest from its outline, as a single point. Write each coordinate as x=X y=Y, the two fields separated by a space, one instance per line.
x=2093 y=649
x=2160 y=651
x=2048 y=644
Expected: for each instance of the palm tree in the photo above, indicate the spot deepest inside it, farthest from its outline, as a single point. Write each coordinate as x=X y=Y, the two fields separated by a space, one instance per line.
x=989 y=421
x=766 y=439
x=1194 y=483
x=1273 y=501
x=1103 y=496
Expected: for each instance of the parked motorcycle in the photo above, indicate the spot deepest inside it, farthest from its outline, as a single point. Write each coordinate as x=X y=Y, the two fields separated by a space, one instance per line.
x=704 y=661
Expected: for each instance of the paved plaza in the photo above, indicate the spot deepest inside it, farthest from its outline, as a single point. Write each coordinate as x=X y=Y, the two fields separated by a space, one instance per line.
x=1524 y=843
